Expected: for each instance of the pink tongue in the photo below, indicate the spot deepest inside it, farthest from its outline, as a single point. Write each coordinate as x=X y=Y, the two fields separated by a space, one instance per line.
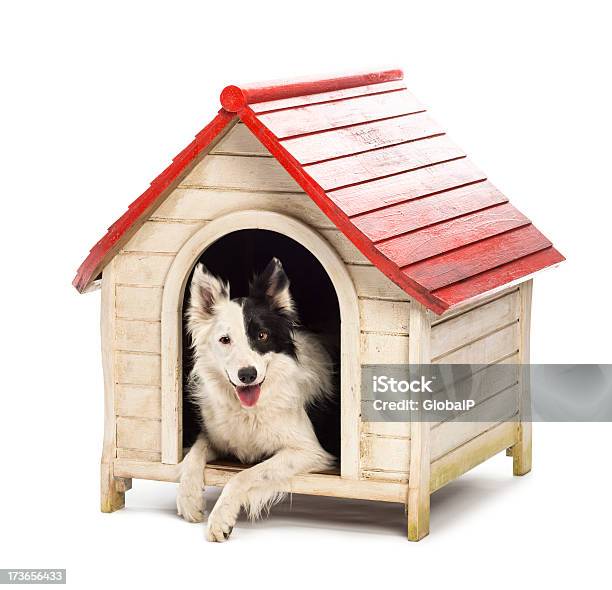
x=248 y=395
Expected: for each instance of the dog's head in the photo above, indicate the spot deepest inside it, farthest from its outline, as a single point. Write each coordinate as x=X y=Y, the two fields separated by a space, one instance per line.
x=238 y=338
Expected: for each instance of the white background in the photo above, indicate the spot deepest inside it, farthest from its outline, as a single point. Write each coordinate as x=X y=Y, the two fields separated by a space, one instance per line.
x=96 y=99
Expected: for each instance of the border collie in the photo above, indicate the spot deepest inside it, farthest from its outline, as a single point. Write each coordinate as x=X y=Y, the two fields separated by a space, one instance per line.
x=255 y=376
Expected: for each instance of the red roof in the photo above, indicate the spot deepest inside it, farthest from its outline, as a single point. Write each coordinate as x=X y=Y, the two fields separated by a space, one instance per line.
x=371 y=158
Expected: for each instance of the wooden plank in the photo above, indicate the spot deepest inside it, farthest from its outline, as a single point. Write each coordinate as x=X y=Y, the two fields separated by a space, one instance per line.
x=312 y=484
x=136 y=433
x=361 y=138
x=449 y=435
x=367 y=166
x=138 y=368
x=359 y=199
x=379 y=348
x=472 y=325
x=384 y=316
x=111 y=497
x=375 y=475
x=138 y=335
x=371 y=283
x=344 y=247
x=418 y=499
x=142 y=268
x=499 y=277
x=393 y=429
x=385 y=453
x=139 y=303
x=318 y=117
x=206 y=204
x=456 y=463
x=470 y=260
x=412 y=215
x=238 y=172
x=161 y=236
x=489 y=349
x=473 y=304
x=521 y=452
x=240 y=141
x=139 y=455
x=138 y=401
x=455 y=233
x=302 y=100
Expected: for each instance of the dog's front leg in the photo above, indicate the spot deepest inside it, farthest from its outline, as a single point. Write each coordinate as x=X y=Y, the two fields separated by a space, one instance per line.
x=190 y=502
x=258 y=487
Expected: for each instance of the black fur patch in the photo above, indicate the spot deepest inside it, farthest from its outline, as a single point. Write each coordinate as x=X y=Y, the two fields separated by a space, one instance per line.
x=260 y=317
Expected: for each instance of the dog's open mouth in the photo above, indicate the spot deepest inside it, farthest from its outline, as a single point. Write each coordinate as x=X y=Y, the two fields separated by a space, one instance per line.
x=248 y=394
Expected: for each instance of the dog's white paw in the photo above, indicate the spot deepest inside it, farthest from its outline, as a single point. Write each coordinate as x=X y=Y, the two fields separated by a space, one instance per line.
x=220 y=524
x=190 y=502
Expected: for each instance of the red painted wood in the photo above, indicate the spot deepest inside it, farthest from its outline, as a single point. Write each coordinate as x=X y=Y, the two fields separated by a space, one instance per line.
x=498 y=277
x=373 y=195
x=306 y=99
x=361 y=138
x=140 y=208
x=329 y=115
x=412 y=215
x=445 y=269
x=448 y=235
x=436 y=228
x=235 y=98
x=391 y=160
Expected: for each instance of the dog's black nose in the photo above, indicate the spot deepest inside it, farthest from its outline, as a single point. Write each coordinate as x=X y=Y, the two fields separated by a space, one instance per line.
x=247 y=375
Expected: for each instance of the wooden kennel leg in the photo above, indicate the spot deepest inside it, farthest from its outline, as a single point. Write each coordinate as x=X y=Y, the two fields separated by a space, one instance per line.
x=418 y=482
x=112 y=490
x=417 y=503
x=521 y=451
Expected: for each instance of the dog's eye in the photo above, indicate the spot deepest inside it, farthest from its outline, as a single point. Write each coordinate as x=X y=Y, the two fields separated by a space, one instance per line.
x=225 y=339
x=262 y=336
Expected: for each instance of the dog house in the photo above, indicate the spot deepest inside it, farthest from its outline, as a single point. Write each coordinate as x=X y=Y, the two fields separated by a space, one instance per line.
x=429 y=263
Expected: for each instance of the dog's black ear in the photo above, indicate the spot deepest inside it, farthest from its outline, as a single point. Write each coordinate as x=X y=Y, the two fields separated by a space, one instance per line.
x=272 y=285
x=206 y=292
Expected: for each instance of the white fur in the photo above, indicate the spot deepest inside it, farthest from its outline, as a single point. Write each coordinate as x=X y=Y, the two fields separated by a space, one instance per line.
x=277 y=427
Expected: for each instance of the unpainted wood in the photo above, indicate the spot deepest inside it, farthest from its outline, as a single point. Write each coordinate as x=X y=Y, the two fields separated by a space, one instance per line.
x=521 y=451
x=206 y=204
x=139 y=303
x=459 y=331
x=312 y=484
x=383 y=453
x=138 y=401
x=138 y=335
x=162 y=236
x=142 y=268
x=138 y=433
x=111 y=496
x=240 y=141
x=381 y=348
x=418 y=500
x=486 y=350
x=237 y=172
x=372 y=284
x=392 y=317
x=138 y=368
x=462 y=459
